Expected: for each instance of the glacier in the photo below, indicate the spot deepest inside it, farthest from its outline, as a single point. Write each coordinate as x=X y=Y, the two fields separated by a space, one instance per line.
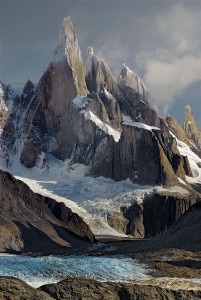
x=37 y=271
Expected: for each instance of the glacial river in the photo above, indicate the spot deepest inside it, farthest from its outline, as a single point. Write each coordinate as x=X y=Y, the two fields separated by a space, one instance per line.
x=37 y=271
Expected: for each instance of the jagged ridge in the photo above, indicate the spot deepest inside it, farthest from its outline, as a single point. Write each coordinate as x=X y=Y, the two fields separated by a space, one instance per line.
x=95 y=134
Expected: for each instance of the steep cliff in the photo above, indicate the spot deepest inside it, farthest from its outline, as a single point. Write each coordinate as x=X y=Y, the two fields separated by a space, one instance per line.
x=190 y=134
x=31 y=222
x=192 y=130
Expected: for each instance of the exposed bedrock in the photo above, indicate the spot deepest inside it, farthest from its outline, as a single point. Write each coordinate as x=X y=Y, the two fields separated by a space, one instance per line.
x=31 y=222
x=158 y=212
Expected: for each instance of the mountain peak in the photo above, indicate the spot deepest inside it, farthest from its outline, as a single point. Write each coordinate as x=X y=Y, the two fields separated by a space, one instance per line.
x=67 y=33
x=188 y=109
x=67 y=40
x=97 y=73
x=128 y=79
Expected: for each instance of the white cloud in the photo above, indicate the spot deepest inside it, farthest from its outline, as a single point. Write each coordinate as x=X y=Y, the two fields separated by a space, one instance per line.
x=180 y=28
x=112 y=51
x=175 y=63
x=167 y=80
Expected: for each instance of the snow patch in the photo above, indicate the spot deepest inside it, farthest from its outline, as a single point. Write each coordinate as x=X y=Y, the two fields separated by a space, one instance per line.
x=108 y=95
x=128 y=121
x=106 y=128
x=81 y=102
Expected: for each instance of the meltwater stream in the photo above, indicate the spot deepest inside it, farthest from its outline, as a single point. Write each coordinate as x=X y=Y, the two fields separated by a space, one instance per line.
x=37 y=271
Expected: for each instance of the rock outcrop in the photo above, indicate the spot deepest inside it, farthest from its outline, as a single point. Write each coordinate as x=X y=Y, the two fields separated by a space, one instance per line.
x=184 y=233
x=82 y=288
x=31 y=222
x=16 y=289
x=6 y=96
x=162 y=210
x=192 y=130
x=190 y=134
x=157 y=212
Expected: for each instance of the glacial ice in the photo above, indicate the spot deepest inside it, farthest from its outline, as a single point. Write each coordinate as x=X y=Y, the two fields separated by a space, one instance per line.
x=37 y=271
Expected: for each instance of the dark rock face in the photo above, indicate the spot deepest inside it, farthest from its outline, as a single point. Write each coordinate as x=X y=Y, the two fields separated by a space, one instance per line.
x=154 y=215
x=184 y=233
x=31 y=222
x=73 y=221
x=162 y=210
x=138 y=156
x=81 y=288
x=134 y=215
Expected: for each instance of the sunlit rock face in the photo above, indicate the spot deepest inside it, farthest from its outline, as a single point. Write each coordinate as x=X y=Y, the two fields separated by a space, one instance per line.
x=191 y=129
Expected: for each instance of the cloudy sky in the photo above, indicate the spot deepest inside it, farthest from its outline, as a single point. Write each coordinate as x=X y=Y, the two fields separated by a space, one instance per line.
x=159 y=39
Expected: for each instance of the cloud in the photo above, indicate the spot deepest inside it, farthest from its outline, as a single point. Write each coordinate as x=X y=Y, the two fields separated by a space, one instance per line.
x=174 y=63
x=168 y=80
x=180 y=28
x=112 y=51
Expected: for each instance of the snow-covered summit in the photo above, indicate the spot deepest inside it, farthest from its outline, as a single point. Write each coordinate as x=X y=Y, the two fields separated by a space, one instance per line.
x=67 y=34
x=68 y=41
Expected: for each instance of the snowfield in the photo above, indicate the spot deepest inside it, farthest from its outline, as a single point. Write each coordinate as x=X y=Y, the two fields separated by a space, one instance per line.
x=92 y=198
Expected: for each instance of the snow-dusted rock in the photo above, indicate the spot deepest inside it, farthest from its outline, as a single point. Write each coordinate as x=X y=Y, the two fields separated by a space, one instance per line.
x=190 y=134
x=79 y=113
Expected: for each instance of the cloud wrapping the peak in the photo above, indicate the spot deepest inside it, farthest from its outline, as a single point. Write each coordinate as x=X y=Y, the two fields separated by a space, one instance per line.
x=167 y=80
x=175 y=64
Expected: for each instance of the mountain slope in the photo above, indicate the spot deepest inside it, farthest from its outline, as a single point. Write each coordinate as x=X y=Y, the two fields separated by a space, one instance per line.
x=31 y=222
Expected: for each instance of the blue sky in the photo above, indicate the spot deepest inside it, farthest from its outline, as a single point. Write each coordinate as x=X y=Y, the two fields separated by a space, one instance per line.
x=159 y=39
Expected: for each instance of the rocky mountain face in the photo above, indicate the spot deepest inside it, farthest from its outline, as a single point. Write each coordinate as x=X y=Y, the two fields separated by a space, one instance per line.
x=6 y=97
x=158 y=212
x=31 y=222
x=81 y=113
x=190 y=134
x=192 y=130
